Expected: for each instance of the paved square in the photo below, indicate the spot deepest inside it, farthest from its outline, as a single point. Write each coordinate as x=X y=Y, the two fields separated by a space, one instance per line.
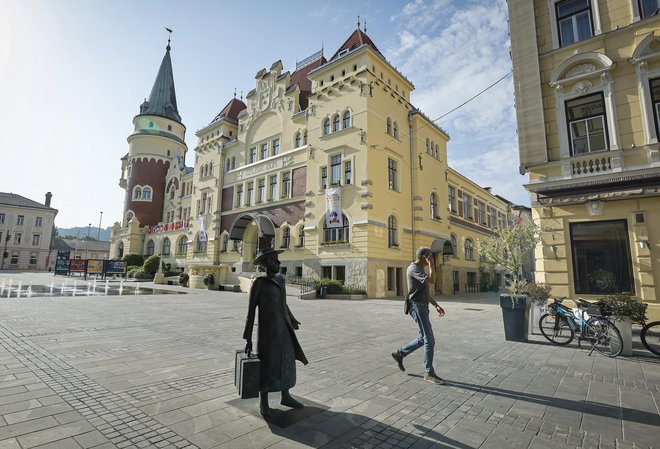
x=157 y=371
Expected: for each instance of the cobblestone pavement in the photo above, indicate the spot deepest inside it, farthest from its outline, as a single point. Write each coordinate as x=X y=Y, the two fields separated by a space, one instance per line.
x=157 y=371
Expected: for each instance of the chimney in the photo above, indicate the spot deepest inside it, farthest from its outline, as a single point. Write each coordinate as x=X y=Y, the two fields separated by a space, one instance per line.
x=48 y=197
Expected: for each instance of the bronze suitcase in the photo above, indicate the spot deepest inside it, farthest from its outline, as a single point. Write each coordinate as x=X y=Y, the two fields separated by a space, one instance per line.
x=246 y=375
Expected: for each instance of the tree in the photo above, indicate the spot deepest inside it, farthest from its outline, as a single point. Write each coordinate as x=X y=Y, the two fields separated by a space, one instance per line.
x=507 y=251
x=133 y=260
x=151 y=264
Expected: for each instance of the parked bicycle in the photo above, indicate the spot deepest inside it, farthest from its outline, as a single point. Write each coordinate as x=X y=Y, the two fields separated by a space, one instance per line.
x=589 y=321
x=650 y=336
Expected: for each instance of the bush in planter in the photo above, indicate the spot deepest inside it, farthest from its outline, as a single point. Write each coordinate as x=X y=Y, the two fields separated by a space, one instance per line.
x=141 y=274
x=151 y=264
x=333 y=286
x=538 y=292
x=133 y=259
x=626 y=306
x=208 y=279
x=183 y=279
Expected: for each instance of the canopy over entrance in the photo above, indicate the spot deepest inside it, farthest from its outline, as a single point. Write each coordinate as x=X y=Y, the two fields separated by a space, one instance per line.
x=264 y=224
x=442 y=246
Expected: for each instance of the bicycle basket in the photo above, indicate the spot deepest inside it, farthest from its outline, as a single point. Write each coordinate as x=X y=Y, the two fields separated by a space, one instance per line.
x=599 y=309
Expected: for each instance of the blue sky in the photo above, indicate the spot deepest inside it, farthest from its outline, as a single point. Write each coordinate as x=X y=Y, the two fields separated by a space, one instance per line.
x=74 y=72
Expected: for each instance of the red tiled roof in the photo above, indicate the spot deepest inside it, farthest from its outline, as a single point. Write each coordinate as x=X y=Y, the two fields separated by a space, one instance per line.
x=355 y=40
x=300 y=78
x=231 y=111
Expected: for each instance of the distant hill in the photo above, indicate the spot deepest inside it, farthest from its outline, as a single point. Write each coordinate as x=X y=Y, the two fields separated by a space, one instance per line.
x=81 y=232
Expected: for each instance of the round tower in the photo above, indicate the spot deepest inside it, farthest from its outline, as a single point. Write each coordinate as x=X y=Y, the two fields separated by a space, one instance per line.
x=156 y=144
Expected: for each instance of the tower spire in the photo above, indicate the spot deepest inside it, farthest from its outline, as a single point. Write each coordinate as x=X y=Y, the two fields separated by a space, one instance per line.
x=169 y=36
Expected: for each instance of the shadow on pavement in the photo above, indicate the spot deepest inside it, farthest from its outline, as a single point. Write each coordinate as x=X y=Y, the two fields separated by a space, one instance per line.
x=587 y=407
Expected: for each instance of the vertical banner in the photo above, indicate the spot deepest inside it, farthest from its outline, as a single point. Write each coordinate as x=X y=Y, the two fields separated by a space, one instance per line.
x=202 y=232
x=333 y=218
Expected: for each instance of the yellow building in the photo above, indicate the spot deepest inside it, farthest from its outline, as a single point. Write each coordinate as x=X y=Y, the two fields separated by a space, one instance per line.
x=340 y=129
x=587 y=78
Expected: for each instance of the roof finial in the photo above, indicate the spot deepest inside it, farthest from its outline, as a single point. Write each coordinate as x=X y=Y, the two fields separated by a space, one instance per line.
x=241 y=95
x=168 y=38
x=358 y=21
x=234 y=92
x=365 y=25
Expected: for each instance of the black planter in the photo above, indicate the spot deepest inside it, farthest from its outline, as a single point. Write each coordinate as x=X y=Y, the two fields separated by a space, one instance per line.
x=515 y=313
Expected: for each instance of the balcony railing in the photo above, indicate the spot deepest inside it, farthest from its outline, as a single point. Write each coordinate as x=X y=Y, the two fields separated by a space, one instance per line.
x=592 y=164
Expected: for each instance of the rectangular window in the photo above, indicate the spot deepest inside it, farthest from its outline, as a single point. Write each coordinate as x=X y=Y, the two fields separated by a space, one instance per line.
x=655 y=99
x=261 y=190
x=467 y=207
x=36 y=238
x=17 y=238
x=391 y=175
x=573 y=21
x=340 y=273
x=272 y=188
x=276 y=147
x=648 y=8
x=38 y=222
x=264 y=151
x=239 y=195
x=253 y=155
x=250 y=191
x=586 y=124
x=500 y=220
x=601 y=257
x=348 y=173
x=452 y=200
x=471 y=278
x=20 y=220
x=326 y=272
x=286 y=184
x=2 y=218
x=324 y=177
x=335 y=169
x=482 y=213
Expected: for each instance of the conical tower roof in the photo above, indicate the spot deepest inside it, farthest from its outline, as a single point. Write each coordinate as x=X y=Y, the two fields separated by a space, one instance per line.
x=162 y=99
x=355 y=40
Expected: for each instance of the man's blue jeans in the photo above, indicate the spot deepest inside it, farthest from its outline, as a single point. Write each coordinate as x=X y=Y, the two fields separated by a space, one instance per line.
x=420 y=313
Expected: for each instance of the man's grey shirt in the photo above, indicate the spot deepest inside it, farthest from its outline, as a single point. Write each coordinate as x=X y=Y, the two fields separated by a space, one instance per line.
x=418 y=291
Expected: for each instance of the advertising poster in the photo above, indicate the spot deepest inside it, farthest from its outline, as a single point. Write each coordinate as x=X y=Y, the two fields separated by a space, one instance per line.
x=62 y=265
x=115 y=267
x=95 y=266
x=77 y=266
x=333 y=218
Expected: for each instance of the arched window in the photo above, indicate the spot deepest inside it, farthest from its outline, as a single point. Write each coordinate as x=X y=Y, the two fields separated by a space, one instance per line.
x=120 y=250
x=286 y=237
x=336 y=235
x=437 y=151
x=326 y=126
x=347 y=119
x=200 y=245
x=225 y=240
x=469 y=249
x=172 y=191
x=297 y=140
x=137 y=193
x=146 y=193
x=150 y=248
x=233 y=162
x=335 y=123
x=129 y=216
x=434 y=206
x=396 y=130
x=228 y=164
x=388 y=128
x=14 y=259
x=305 y=138
x=301 y=237
x=392 y=240
x=210 y=168
x=33 y=259
x=454 y=243
x=428 y=148
x=183 y=245
x=166 y=247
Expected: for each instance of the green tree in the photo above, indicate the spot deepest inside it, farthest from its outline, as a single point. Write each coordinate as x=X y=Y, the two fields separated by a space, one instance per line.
x=508 y=249
x=133 y=259
x=151 y=264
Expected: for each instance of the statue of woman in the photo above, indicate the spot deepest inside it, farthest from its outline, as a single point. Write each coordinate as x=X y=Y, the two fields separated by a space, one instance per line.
x=277 y=345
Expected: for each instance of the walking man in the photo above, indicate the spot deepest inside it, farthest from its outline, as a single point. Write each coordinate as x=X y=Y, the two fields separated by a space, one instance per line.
x=419 y=297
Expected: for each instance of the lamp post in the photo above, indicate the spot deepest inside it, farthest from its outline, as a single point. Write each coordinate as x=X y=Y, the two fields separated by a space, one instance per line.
x=98 y=235
x=89 y=227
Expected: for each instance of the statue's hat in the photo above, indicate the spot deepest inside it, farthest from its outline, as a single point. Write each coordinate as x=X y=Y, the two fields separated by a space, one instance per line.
x=261 y=255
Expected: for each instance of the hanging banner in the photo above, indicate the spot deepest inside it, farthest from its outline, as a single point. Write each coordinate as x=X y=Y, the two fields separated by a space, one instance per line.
x=333 y=218
x=202 y=232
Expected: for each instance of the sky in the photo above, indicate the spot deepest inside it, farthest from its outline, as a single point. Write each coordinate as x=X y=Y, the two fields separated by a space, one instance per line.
x=73 y=74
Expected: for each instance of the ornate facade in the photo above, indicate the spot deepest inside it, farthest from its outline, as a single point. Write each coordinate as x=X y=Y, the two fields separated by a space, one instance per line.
x=342 y=126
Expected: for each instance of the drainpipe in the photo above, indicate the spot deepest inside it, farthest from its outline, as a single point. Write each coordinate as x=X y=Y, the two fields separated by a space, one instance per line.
x=412 y=181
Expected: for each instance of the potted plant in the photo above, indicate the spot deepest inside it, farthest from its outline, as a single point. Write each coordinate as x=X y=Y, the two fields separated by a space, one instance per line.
x=626 y=311
x=183 y=279
x=507 y=250
x=537 y=294
x=208 y=280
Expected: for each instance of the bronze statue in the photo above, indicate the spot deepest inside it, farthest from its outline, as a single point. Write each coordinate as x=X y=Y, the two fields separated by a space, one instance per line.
x=277 y=345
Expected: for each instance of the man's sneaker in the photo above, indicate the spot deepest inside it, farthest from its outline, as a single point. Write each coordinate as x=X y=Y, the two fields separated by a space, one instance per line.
x=398 y=359
x=433 y=378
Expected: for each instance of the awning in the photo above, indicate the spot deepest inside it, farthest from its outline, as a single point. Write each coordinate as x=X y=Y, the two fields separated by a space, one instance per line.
x=264 y=224
x=442 y=246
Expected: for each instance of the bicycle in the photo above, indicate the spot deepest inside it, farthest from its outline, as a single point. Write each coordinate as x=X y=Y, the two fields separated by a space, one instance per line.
x=560 y=324
x=650 y=336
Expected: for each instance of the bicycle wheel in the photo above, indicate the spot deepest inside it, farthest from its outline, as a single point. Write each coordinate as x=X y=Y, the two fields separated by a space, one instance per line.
x=651 y=337
x=603 y=336
x=556 y=329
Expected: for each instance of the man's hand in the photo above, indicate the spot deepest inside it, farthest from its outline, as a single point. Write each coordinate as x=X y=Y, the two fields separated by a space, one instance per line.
x=440 y=310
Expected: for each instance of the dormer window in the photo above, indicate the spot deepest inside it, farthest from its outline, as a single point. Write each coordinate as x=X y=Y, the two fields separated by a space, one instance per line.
x=343 y=52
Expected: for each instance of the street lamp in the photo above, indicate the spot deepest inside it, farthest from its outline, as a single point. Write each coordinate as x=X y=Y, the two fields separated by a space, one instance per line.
x=98 y=236
x=89 y=227
x=4 y=251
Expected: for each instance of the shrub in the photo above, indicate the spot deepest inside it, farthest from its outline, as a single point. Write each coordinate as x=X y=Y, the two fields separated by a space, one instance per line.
x=208 y=279
x=333 y=286
x=133 y=267
x=626 y=306
x=173 y=272
x=151 y=264
x=141 y=274
x=133 y=259
x=537 y=292
x=133 y=272
x=183 y=279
